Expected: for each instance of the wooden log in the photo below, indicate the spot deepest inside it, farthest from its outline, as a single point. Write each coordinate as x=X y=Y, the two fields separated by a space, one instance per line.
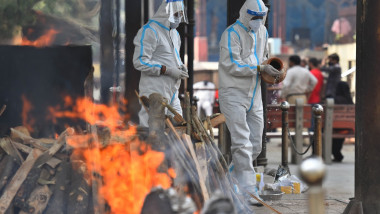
x=156 y=121
x=10 y=149
x=53 y=162
x=188 y=113
x=218 y=120
x=38 y=200
x=79 y=190
x=187 y=140
x=30 y=183
x=8 y=166
x=200 y=152
x=47 y=155
x=20 y=135
x=2 y=110
x=58 y=201
x=209 y=126
x=17 y=180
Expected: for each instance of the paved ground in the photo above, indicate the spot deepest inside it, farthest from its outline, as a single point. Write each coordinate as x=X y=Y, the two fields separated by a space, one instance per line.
x=338 y=184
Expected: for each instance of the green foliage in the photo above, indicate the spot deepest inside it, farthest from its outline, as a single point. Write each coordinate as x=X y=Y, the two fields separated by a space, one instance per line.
x=14 y=13
x=18 y=13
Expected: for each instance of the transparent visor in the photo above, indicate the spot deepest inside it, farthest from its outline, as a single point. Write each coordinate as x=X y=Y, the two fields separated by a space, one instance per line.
x=176 y=11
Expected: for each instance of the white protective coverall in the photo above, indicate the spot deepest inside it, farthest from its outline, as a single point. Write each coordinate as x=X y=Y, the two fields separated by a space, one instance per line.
x=205 y=91
x=242 y=51
x=157 y=45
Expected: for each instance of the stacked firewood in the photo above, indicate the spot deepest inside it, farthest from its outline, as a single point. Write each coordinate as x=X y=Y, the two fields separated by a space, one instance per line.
x=38 y=176
x=43 y=175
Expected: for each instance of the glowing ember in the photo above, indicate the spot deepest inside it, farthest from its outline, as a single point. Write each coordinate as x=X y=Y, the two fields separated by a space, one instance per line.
x=44 y=40
x=27 y=121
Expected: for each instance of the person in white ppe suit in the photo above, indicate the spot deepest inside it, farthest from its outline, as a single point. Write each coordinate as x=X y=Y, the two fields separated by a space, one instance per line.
x=156 y=55
x=243 y=49
x=205 y=92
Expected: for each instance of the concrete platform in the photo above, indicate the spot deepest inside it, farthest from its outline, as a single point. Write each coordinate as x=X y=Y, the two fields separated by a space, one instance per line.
x=338 y=184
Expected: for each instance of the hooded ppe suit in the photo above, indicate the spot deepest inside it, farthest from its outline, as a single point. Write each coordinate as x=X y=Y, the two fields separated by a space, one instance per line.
x=242 y=51
x=157 y=45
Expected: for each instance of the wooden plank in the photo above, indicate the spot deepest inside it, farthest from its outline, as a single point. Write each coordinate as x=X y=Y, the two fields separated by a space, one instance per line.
x=55 y=148
x=53 y=162
x=218 y=120
x=17 y=180
x=186 y=138
x=9 y=148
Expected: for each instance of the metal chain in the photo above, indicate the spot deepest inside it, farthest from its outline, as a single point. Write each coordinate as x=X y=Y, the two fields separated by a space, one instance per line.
x=292 y=142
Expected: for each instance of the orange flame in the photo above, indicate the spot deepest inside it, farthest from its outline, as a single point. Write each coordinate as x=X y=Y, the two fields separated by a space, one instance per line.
x=27 y=121
x=43 y=41
x=129 y=168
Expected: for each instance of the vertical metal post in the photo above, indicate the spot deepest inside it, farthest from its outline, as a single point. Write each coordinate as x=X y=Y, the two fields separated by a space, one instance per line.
x=285 y=139
x=132 y=76
x=318 y=111
x=313 y=172
x=190 y=46
x=107 y=49
x=328 y=131
x=367 y=182
x=296 y=159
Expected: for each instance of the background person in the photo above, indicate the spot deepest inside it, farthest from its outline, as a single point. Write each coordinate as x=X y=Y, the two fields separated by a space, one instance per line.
x=298 y=83
x=332 y=68
x=342 y=96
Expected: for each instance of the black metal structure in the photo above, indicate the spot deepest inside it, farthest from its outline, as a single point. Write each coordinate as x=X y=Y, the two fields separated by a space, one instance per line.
x=190 y=45
x=367 y=182
x=133 y=18
x=233 y=9
x=107 y=65
x=42 y=77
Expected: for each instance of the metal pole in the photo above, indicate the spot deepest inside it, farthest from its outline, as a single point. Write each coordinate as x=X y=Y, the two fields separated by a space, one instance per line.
x=313 y=171
x=317 y=148
x=107 y=49
x=285 y=140
x=190 y=46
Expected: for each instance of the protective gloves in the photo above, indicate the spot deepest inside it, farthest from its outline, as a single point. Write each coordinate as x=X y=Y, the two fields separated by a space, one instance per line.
x=270 y=70
x=176 y=73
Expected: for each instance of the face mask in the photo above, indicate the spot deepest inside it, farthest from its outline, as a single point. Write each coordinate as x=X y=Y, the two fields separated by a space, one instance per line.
x=175 y=24
x=255 y=24
x=331 y=63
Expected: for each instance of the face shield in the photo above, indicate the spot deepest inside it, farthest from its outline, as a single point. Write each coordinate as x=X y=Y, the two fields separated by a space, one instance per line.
x=176 y=11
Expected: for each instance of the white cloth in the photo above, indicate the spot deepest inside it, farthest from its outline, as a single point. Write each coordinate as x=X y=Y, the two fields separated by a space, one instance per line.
x=298 y=81
x=242 y=50
x=156 y=45
x=205 y=91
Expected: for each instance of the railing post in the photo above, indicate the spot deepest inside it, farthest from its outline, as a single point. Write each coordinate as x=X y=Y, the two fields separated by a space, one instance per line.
x=285 y=140
x=328 y=131
x=296 y=159
x=317 y=148
x=313 y=171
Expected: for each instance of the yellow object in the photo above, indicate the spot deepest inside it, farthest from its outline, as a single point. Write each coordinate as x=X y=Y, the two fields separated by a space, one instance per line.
x=296 y=188
x=286 y=189
x=258 y=177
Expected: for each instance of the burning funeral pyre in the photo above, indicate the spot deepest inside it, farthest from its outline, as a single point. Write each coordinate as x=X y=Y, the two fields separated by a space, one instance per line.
x=110 y=167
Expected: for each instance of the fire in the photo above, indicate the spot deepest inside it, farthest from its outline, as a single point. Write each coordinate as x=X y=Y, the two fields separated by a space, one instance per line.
x=43 y=41
x=129 y=168
x=27 y=106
